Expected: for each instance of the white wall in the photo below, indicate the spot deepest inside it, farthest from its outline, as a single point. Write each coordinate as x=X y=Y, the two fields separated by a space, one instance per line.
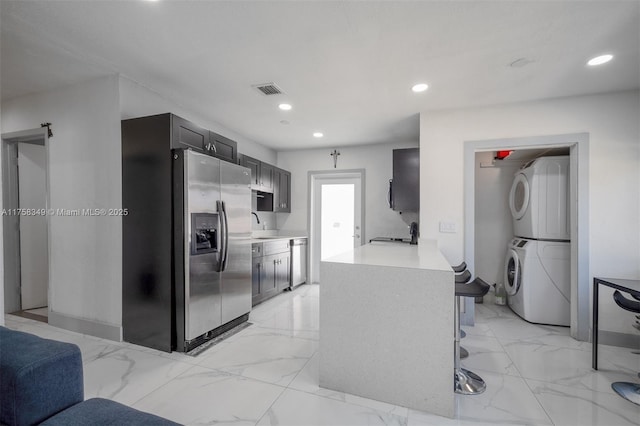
x=139 y=101
x=85 y=172
x=380 y=220
x=614 y=164
x=494 y=227
x=85 y=168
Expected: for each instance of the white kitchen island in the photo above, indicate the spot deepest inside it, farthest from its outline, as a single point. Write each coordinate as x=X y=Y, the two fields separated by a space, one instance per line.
x=387 y=325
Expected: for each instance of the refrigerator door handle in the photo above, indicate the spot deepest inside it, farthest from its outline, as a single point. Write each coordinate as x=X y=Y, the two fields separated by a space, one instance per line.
x=221 y=247
x=225 y=235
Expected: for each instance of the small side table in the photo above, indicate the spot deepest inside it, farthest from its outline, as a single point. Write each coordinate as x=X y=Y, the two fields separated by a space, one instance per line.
x=631 y=287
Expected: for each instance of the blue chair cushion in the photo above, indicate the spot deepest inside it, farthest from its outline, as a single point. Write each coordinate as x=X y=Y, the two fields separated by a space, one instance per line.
x=103 y=412
x=38 y=377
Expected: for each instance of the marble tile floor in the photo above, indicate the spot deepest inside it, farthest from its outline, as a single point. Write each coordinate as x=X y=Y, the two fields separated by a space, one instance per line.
x=38 y=314
x=267 y=374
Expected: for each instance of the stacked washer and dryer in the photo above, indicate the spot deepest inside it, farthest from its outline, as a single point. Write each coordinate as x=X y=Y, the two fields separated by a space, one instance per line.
x=538 y=269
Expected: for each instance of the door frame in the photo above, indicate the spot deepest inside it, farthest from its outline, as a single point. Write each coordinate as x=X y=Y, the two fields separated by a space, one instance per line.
x=315 y=176
x=10 y=241
x=578 y=144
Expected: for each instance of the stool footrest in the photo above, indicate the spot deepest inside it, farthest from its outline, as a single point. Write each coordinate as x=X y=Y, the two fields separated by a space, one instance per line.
x=459 y=268
x=476 y=288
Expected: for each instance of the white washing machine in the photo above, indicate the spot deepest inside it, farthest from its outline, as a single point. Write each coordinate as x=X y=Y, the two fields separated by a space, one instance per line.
x=537 y=280
x=539 y=199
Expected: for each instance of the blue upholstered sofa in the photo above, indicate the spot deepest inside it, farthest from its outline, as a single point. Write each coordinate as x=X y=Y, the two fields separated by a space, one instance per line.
x=41 y=382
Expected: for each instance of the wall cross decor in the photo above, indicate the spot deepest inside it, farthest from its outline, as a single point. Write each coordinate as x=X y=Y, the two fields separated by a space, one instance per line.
x=335 y=154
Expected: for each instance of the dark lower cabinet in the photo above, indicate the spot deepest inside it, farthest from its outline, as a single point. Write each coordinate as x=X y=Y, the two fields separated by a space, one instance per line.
x=262 y=285
x=282 y=270
x=271 y=273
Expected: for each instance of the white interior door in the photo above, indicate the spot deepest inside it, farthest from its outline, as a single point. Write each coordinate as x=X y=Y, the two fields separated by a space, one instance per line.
x=34 y=259
x=336 y=217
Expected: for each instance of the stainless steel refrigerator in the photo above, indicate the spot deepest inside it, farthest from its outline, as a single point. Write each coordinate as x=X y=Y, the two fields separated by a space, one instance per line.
x=212 y=247
x=186 y=270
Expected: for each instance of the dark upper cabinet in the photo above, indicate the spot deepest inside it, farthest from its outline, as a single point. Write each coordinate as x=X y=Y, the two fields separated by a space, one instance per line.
x=273 y=183
x=261 y=173
x=282 y=191
x=224 y=148
x=254 y=165
x=266 y=177
x=404 y=190
x=188 y=135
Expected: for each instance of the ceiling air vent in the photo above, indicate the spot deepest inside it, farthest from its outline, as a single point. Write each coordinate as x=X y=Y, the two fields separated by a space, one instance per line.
x=268 y=89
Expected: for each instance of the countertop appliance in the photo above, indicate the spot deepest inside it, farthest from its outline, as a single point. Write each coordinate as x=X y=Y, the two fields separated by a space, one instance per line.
x=413 y=231
x=298 y=261
x=212 y=232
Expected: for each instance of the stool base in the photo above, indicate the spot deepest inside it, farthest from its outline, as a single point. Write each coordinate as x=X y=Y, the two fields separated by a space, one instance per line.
x=468 y=383
x=463 y=353
x=627 y=390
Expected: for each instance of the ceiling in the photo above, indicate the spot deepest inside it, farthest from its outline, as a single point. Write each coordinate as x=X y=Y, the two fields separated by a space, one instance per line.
x=347 y=67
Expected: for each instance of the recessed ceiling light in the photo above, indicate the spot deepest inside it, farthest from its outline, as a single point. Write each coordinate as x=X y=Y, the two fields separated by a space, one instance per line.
x=421 y=87
x=284 y=107
x=599 y=60
x=317 y=135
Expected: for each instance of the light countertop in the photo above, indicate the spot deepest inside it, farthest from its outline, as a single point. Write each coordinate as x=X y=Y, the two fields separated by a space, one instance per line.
x=387 y=324
x=425 y=255
x=265 y=238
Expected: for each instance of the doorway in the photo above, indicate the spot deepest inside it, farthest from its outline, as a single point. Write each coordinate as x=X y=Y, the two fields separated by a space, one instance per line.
x=336 y=215
x=25 y=227
x=578 y=146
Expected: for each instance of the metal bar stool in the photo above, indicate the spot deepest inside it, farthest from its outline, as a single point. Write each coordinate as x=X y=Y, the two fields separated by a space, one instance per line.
x=460 y=268
x=628 y=390
x=466 y=382
x=461 y=278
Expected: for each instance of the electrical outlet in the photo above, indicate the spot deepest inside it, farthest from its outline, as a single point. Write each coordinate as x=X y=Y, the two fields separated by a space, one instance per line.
x=448 y=227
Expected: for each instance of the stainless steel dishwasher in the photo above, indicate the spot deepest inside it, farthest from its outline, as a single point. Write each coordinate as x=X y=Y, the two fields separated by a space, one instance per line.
x=298 y=261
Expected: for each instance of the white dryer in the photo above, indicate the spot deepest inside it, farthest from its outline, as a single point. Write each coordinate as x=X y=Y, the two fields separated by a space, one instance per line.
x=539 y=199
x=537 y=280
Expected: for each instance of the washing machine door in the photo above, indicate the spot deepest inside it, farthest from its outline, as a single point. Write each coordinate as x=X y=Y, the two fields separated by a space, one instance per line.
x=513 y=273
x=519 y=196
